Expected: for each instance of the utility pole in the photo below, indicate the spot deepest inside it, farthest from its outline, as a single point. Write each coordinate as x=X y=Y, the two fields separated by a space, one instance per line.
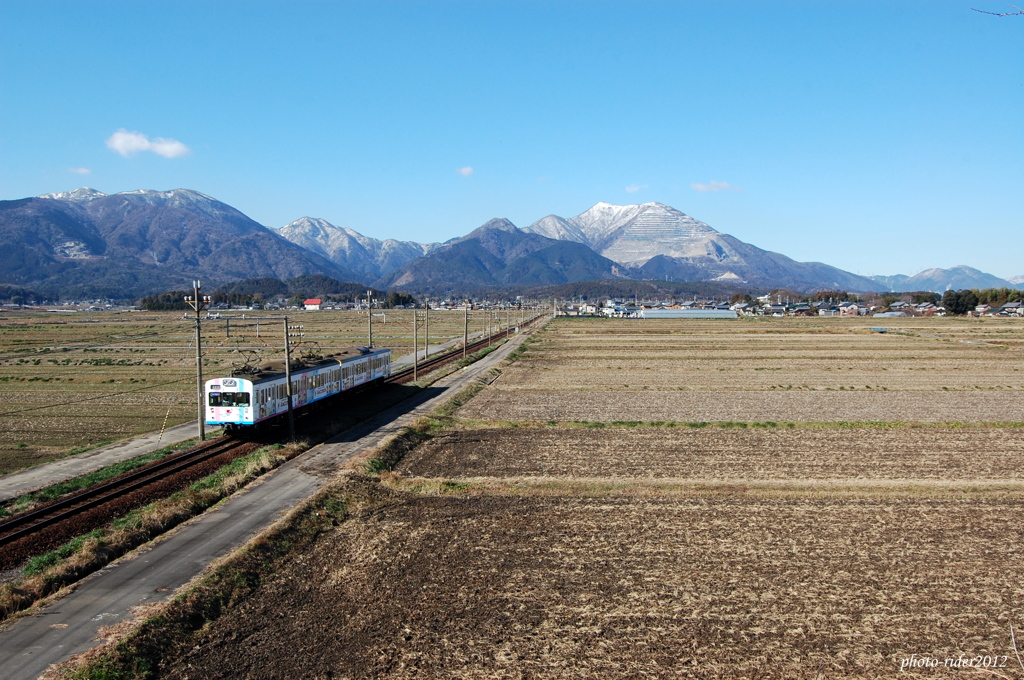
x=465 y=332
x=369 y=310
x=288 y=375
x=199 y=304
x=415 y=343
x=426 y=331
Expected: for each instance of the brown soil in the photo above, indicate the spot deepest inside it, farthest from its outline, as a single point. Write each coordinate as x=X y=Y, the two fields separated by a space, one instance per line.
x=503 y=564
x=810 y=406
x=712 y=453
x=505 y=587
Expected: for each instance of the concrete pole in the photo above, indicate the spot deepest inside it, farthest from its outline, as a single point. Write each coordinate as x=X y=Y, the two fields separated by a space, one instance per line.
x=369 y=309
x=415 y=343
x=426 y=332
x=200 y=397
x=465 y=332
x=198 y=303
x=288 y=380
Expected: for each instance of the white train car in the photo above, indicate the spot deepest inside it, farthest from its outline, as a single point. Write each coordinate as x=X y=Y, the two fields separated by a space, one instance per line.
x=239 y=402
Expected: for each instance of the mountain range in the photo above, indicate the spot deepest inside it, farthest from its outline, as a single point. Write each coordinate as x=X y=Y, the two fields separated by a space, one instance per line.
x=367 y=257
x=939 y=280
x=87 y=243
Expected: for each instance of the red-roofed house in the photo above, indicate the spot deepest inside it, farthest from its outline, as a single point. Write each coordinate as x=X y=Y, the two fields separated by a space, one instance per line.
x=312 y=303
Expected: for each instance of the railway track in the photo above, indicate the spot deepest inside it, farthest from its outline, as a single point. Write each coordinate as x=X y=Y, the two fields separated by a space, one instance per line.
x=44 y=527
x=20 y=533
x=406 y=374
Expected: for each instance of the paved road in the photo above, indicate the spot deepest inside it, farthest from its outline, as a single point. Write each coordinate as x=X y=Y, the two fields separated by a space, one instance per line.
x=71 y=625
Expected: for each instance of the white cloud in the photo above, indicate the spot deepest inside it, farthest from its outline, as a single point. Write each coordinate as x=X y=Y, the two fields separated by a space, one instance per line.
x=80 y=171
x=633 y=188
x=127 y=143
x=714 y=185
x=465 y=172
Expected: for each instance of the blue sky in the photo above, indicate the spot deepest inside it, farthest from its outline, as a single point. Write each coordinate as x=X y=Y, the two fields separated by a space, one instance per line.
x=880 y=137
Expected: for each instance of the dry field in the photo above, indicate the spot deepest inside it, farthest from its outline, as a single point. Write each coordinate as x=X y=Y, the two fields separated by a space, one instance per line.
x=75 y=380
x=803 y=548
x=568 y=585
x=864 y=454
x=941 y=370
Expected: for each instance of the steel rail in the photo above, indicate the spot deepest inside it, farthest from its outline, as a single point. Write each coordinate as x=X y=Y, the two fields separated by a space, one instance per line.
x=455 y=354
x=97 y=495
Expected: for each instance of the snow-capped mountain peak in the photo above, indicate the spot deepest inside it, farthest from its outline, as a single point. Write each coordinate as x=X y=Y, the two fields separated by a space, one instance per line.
x=630 y=234
x=348 y=248
x=175 y=198
x=79 y=194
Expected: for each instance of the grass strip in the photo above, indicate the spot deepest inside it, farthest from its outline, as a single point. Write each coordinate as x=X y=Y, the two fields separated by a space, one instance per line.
x=733 y=425
x=392 y=451
x=46 y=574
x=476 y=356
x=523 y=348
x=61 y=489
x=600 y=487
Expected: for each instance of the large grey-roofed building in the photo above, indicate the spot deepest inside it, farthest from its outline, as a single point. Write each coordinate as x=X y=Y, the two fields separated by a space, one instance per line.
x=688 y=314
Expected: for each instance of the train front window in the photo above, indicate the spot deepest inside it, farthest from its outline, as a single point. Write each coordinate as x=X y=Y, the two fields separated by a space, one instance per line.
x=229 y=398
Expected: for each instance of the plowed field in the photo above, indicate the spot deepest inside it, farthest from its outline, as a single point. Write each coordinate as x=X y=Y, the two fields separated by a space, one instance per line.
x=723 y=587
x=809 y=527
x=714 y=454
x=499 y=403
x=771 y=369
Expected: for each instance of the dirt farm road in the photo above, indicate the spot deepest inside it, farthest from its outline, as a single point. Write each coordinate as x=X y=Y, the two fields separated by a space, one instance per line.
x=73 y=624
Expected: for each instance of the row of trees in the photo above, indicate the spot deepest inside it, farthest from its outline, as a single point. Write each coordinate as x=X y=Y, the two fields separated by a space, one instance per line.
x=964 y=301
x=837 y=296
x=258 y=292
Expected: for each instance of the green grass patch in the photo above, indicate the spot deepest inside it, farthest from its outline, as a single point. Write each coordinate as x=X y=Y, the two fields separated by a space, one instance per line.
x=52 y=493
x=524 y=347
x=766 y=424
x=41 y=563
x=461 y=397
x=476 y=356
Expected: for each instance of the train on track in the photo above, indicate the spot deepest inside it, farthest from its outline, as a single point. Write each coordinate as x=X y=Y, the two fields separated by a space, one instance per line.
x=243 y=401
